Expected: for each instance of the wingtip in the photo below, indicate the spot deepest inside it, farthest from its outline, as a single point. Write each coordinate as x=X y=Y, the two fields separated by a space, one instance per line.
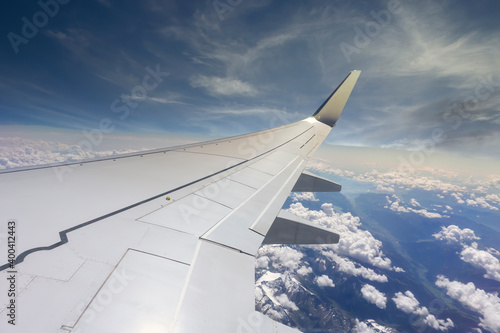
x=329 y=112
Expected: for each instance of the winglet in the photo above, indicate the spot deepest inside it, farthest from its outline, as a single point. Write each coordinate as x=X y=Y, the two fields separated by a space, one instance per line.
x=329 y=112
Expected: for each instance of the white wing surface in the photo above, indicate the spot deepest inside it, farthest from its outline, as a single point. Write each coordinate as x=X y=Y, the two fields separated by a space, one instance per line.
x=158 y=241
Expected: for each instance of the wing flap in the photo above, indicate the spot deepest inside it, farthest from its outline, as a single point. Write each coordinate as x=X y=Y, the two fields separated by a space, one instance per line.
x=290 y=229
x=192 y=214
x=309 y=182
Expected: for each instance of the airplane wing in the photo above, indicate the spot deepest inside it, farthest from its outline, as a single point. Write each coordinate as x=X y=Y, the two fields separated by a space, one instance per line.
x=157 y=241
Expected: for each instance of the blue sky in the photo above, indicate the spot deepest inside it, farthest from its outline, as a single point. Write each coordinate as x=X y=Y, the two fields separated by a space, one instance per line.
x=431 y=69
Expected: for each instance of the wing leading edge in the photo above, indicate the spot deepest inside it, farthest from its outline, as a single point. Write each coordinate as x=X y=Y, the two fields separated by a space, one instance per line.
x=161 y=241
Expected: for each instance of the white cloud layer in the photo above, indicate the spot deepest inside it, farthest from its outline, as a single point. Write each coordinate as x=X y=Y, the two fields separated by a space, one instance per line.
x=486 y=304
x=398 y=207
x=262 y=262
x=409 y=304
x=489 y=201
x=406 y=302
x=482 y=202
x=458 y=196
x=324 y=281
x=493 y=252
x=382 y=188
x=281 y=256
x=17 y=152
x=345 y=265
x=389 y=178
x=370 y=326
x=362 y=327
x=304 y=196
x=355 y=243
x=470 y=253
x=285 y=302
x=304 y=270
x=372 y=295
x=452 y=234
x=482 y=259
x=387 y=181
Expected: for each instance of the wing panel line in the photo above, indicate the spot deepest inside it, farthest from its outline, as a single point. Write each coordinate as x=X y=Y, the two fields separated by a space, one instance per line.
x=63 y=234
x=258 y=221
x=186 y=284
x=256 y=193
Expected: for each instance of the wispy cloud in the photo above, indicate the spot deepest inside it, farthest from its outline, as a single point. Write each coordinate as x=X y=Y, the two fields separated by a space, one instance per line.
x=428 y=57
x=223 y=86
